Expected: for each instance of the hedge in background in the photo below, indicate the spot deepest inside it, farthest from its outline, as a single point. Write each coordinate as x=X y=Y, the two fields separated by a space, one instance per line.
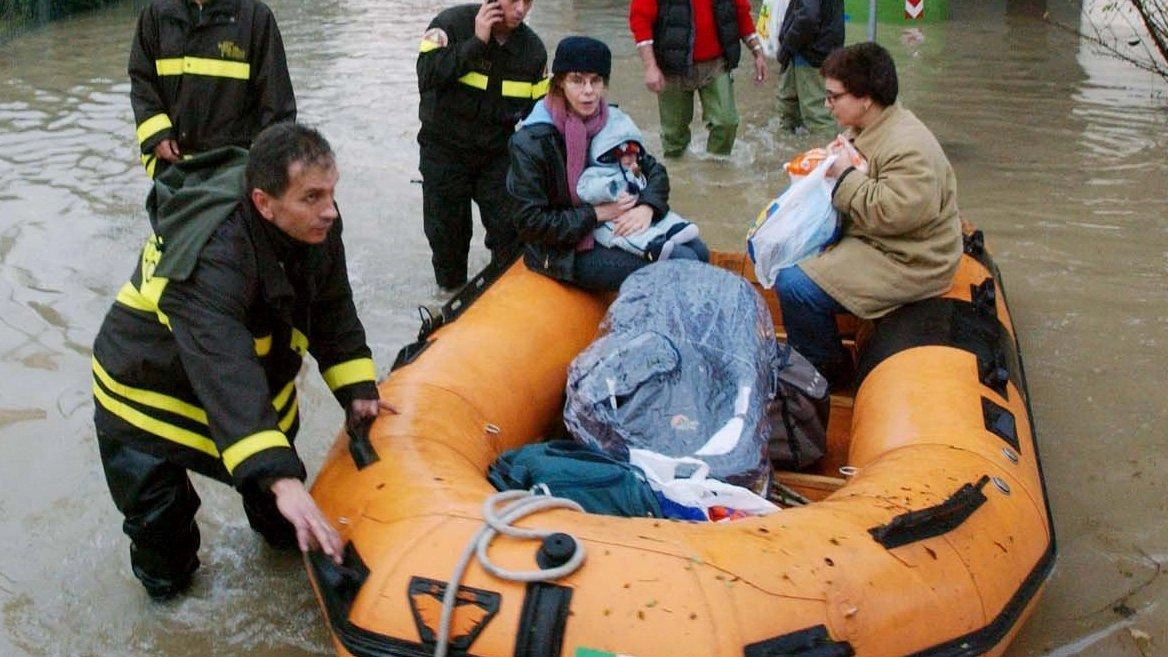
x=16 y=15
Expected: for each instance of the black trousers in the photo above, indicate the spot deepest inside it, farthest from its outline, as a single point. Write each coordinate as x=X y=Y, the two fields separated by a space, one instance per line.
x=451 y=179
x=158 y=502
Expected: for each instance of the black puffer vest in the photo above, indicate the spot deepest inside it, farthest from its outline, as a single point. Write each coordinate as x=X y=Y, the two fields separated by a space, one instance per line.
x=673 y=34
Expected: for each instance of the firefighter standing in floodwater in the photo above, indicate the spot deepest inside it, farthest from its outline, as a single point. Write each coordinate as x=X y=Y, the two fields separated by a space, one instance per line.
x=480 y=70
x=195 y=365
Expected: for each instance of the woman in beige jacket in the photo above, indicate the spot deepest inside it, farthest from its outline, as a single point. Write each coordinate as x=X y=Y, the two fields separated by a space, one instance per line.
x=901 y=233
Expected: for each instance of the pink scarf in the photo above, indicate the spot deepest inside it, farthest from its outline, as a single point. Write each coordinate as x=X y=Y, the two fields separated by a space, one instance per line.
x=577 y=133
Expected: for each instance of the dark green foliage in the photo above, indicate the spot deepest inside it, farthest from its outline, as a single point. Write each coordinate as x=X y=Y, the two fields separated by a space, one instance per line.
x=19 y=15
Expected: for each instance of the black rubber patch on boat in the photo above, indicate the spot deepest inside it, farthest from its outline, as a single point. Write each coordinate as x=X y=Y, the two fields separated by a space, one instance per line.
x=338 y=587
x=542 y=621
x=474 y=608
x=808 y=642
x=948 y=323
x=1000 y=421
x=934 y=521
x=339 y=584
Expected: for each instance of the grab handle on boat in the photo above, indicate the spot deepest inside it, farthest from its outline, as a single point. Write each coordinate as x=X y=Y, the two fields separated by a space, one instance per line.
x=974 y=243
x=936 y=520
x=360 y=448
x=984 y=297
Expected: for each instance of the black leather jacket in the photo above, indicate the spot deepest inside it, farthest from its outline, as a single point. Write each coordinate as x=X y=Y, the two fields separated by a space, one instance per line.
x=548 y=223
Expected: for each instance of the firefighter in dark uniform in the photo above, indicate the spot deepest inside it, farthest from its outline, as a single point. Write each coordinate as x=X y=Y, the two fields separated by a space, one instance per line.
x=480 y=70
x=194 y=367
x=204 y=74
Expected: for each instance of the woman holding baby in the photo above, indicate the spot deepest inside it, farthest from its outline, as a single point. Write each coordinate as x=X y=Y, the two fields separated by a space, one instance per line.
x=597 y=233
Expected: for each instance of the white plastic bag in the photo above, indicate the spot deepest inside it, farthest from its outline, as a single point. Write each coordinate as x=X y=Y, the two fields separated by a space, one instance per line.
x=770 y=19
x=796 y=225
x=697 y=489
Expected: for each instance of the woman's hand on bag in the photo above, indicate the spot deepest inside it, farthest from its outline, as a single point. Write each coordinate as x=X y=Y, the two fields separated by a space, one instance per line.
x=632 y=222
x=848 y=157
x=840 y=165
x=614 y=209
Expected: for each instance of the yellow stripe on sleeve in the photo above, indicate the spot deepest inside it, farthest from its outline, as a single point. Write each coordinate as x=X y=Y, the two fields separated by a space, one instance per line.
x=251 y=445
x=153 y=126
x=347 y=373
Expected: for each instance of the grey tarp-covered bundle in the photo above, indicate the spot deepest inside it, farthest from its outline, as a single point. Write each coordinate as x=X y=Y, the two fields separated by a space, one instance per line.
x=683 y=367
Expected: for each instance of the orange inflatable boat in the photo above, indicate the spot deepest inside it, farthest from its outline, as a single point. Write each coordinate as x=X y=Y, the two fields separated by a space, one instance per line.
x=937 y=540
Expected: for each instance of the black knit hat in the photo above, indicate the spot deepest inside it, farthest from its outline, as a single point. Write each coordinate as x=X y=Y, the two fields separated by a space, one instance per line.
x=582 y=54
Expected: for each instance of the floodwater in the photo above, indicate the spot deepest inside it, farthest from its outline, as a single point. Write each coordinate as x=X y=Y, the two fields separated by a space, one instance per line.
x=1059 y=152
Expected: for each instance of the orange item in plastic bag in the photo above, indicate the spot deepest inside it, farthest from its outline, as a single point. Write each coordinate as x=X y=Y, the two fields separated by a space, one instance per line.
x=805 y=162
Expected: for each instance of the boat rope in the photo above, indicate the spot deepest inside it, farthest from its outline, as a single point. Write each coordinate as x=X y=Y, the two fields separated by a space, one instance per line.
x=515 y=505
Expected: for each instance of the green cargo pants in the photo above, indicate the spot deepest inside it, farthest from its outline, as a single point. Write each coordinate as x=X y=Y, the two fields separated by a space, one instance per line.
x=801 y=96
x=675 y=104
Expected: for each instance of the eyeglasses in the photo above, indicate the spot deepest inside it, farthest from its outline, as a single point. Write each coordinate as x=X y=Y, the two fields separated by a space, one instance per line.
x=831 y=96
x=581 y=81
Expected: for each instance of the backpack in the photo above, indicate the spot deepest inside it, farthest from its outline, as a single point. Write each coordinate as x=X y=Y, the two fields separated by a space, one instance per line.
x=587 y=475
x=798 y=412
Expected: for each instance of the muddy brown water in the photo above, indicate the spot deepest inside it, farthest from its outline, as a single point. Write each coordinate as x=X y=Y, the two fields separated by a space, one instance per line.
x=1059 y=152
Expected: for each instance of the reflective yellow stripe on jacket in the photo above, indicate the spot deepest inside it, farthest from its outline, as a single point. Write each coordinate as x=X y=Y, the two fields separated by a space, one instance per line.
x=349 y=372
x=199 y=441
x=513 y=89
x=252 y=445
x=215 y=68
x=508 y=88
x=145 y=297
x=151 y=399
x=299 y=342
x=154 y=425
x=476 y=80
x=152 y=126
x=281 y=399
x=149 y=161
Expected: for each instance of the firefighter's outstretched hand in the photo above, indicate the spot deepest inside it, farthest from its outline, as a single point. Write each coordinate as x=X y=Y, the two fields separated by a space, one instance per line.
x=313 y=530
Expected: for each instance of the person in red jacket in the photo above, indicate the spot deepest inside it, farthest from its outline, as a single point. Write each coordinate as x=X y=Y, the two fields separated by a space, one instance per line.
x=688 y=46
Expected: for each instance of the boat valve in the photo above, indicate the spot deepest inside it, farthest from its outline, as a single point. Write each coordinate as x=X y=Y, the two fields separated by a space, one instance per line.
x=555 y=550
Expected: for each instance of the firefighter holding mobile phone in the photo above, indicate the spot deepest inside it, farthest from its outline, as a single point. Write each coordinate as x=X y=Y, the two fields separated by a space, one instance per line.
x=480 y=71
